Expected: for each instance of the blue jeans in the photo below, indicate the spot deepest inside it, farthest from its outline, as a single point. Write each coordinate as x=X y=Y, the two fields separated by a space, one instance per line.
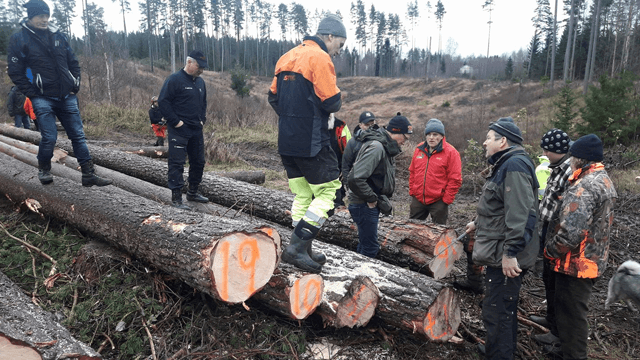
x=47 y=109
x=366 y=219
x=22 y=121
x=185 y=141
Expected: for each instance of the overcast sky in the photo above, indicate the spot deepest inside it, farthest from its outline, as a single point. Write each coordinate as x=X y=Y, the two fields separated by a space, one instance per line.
x=465 y=22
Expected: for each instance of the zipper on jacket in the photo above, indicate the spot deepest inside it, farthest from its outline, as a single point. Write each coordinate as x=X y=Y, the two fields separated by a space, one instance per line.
x=424 y=181
x=39 y=83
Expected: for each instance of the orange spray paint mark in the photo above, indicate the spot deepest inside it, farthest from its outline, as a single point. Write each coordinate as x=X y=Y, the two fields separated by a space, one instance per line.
x=251 y=245
x=223 y=287
x=296 y=296
x=316 y=284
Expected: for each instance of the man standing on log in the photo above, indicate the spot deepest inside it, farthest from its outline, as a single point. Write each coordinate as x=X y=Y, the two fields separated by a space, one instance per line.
x=504 y=229
x=183 y=103
x=435 y=175
x=303 y=94
x=158 y=124
x=56 y=81
x=372 y=180
x=366 y=121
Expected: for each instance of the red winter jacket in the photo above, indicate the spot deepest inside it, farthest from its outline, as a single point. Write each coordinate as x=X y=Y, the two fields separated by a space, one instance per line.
x=436 y=176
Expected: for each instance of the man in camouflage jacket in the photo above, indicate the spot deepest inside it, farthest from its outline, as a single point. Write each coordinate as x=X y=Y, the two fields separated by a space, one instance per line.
x=578 y=248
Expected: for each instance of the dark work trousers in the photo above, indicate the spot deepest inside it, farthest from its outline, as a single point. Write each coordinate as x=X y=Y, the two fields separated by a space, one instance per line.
x=549 y=279
x=572 y=307
x=439 y=211
x=499 y=313
x=185 y=141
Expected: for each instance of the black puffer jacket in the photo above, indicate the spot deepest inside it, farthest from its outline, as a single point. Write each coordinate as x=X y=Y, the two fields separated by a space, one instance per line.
x=55 y=69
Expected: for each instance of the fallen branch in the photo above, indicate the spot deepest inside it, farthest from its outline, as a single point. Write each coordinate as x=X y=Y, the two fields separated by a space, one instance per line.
x=34 y=248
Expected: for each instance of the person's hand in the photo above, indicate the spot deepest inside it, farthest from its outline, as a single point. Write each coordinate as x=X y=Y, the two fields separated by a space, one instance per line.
x=510 y=266
x=470 y=228
x=372 y=205
x=179 y=124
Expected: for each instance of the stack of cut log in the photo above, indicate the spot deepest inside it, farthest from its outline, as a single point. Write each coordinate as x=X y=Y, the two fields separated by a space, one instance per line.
x=231 y=250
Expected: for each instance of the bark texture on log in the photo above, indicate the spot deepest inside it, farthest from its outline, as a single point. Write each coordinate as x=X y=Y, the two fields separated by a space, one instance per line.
x=228 y=259
x=154 y=152
x=22 y=323
x=429 y=249
x=251 y=177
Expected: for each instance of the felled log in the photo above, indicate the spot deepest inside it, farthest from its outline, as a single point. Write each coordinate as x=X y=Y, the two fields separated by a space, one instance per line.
x=154 y=152
x=251 y=177
x=28 y=332
x=227 y=259
x=429 y=249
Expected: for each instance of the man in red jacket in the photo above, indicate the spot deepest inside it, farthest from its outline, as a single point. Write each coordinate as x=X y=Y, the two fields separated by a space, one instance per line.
x=435 y=175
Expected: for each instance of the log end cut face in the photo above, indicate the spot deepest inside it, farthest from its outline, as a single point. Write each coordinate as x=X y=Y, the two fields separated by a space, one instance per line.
x=242 y=264
x=358 y=306
x=305 y=295
x=446 y=251
x=443 y=317
x=19 y=350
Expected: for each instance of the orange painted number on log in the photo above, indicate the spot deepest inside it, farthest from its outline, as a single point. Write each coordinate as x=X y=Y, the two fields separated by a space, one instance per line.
x=442 y=249
x=223 y=289
x=428 y=329
x=353 y=314
x=251 y=245
x=306 y=306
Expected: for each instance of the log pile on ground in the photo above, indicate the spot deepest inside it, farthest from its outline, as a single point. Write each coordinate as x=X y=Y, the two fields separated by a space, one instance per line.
x=237 y=259
x=429 y=249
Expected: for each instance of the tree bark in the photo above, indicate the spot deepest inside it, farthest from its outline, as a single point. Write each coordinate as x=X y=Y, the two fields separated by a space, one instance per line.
x=429 y=249
x=154 y=152
x=28 y=332
x=228 y=259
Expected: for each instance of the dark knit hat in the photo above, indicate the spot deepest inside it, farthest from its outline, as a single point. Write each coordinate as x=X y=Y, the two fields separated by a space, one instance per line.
x=332 y=25
x=507 y=128
x=556 y=140
x=434 y=125
x=200 y=58
x=36 y=7
x=366 y=116
x=588 y=147
x=399 y=125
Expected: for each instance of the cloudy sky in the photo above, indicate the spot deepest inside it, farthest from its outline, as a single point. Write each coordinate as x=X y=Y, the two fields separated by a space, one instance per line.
x=464 y=24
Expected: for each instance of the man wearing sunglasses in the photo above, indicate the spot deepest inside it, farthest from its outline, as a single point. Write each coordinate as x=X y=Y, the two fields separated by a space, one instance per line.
x=303 y=94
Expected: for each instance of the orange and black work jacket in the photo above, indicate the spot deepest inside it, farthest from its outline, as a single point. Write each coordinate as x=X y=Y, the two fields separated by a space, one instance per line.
x=303 y=94
x=579 y=246
x=437 y=175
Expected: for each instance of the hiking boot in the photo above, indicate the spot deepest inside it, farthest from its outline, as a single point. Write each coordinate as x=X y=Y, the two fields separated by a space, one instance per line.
x=548 y=339
x=553 y=350
x=468 y=285
x=176 y=200
x=89 y=177
x=194 y=195
x=540 y=320
x=297 y=252
x=44 y=172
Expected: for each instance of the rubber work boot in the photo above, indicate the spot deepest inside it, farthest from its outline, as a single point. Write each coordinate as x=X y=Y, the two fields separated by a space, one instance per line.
x=316 y=256
x=44 y=172
x=547 y=339
x=176 y=200
x=89 y=177
x=297 y=252
x=194 y=195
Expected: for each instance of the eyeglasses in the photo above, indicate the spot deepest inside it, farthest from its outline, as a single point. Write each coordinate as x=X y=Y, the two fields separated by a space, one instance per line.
x=341 y=45
x=406 y=136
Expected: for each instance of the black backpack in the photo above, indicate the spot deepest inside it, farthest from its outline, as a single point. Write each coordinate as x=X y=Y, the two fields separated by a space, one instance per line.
x=15 y=102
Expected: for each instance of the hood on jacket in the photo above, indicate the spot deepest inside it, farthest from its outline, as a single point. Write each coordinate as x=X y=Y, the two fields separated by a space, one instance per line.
x=380 y=134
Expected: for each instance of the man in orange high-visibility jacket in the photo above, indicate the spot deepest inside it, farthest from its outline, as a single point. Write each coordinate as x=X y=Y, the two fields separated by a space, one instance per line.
x=303 y=94
x=580 y=246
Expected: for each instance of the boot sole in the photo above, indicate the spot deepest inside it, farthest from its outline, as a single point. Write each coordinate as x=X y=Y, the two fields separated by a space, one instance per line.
x=297 y=264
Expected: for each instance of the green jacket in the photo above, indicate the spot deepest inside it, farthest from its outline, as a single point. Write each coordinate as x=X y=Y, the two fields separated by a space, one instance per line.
x=374 y=171
x=507 y=211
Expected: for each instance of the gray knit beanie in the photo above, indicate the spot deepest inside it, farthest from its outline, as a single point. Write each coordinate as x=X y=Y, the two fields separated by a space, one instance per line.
x=36 y=7
x=332 y=25
x=434 y=125
x=507 y=128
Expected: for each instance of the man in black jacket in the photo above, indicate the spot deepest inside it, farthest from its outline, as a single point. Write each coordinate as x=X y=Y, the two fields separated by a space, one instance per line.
x=183 y=103
x=56 y=81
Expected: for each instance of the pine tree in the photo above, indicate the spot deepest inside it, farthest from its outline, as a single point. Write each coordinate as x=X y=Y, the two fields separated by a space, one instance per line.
x=508 y=70
x=565 y=104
